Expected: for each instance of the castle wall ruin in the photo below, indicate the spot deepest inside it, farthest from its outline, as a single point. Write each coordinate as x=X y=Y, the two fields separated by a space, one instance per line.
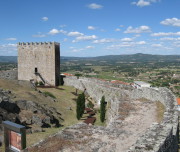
x=160 y=137
x=39 y=62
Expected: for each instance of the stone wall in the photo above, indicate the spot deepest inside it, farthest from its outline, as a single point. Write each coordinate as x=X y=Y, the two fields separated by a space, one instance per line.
x=161 y=137
x=9 y=74
x=40 y=58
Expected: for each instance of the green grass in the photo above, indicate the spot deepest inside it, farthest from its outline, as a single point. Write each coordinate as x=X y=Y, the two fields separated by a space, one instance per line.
x=64 y=99
x=98 y=121
x=49 y=94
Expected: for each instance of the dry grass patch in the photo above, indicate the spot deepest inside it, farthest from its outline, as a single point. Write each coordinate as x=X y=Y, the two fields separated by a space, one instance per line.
x=143 y=100
x=160 y=108
x=124 y=109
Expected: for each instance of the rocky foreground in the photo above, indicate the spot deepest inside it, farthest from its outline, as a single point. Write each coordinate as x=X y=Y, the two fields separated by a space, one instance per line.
x=28 y=113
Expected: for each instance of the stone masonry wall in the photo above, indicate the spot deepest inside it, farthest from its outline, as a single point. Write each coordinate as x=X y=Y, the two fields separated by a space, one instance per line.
x=41 y=56
x=161 y=137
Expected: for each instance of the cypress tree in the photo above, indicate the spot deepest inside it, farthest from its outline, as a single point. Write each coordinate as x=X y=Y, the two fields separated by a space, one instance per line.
x=78 y=107
x=102 y=109
x=82 y=103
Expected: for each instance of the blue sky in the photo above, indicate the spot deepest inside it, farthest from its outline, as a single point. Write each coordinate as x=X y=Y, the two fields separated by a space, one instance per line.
x=92 y=27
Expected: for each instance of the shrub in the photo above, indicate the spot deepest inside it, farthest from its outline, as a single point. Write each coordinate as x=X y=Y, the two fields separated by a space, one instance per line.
x=41 y=83
x=102 y=109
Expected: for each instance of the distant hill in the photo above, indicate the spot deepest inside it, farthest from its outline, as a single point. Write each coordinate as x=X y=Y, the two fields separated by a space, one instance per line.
x=8 y=59
x=139 y=57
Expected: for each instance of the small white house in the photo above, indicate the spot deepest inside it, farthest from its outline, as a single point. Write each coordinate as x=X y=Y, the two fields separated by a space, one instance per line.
x=141 y=84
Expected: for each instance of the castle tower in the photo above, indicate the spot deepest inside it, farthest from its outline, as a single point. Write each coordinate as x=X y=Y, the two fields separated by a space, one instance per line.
x=39 y=62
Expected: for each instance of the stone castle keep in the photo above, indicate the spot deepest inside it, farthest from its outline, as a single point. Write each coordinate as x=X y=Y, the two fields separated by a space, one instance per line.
x=39 y=62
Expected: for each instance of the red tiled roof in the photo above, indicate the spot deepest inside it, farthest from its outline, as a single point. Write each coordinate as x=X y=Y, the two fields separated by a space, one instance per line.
x=67 y=74
x=120 y=82
x=178 y=101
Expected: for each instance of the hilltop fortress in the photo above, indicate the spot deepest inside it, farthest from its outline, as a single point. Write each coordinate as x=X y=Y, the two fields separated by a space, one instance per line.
x=39 y=62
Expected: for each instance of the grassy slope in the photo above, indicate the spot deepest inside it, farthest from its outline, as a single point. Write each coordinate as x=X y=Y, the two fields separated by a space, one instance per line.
x=64 y=97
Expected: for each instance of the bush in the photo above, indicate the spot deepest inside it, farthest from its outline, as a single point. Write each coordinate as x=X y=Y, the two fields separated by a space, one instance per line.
x=78 y=75
x=36 y=83
x=41 y=83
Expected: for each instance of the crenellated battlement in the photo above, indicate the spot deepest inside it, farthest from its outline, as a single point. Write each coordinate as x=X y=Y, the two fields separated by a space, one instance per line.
x=36 y=43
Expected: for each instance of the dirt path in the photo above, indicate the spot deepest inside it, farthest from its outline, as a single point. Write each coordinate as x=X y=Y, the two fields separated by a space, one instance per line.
x=136 y=124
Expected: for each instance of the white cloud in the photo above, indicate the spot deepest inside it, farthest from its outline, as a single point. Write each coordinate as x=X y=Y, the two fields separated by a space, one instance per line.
x=73 y=49
x=39 y=35
x=62 y=31
x=75 y=33
x=56 y=31
x=118 y=46
x=103 y=41
x=166 y=34
x=95 y=6
x=141 y=29
x=11 y=39
x=126 y=39
x=89 y=47
x=53 y=31
x=142 y=3
x=85 y=38
x=91 y=28
x=168 y=39
x=137 y=35
x=8 y=49
x=77 y=50
x=126 y=45
x=156 y=45
x=141 y=42
x=117 y=29
x=171 y=22
x=44 y=18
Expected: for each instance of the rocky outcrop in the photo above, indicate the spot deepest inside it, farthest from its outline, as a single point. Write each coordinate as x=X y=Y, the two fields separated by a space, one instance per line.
x=28 y=113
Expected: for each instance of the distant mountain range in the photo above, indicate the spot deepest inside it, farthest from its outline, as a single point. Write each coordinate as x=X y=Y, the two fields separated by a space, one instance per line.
x=8 y=59
x=139 y=57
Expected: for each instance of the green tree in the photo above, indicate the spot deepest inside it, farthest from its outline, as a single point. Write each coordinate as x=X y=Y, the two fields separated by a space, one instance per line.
x=78 y=107
x=102 y=109
x=82 y=103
